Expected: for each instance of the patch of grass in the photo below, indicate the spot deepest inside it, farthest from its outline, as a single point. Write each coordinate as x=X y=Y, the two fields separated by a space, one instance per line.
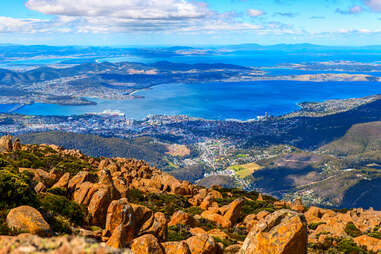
x=165 y=203
x=352 y=230
x=95 y=228
x=348 y=246
x=245 y=170
x=194 y=210
x=207 y=224
x=178 y=233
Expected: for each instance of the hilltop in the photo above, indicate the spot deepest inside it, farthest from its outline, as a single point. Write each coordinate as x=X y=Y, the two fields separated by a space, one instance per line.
x=118 y=205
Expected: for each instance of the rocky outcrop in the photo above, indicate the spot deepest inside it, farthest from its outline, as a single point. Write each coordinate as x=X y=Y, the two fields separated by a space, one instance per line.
x=370 y=243
x=108 y=189
x=28 y=219
x=16 y=145
x=283 y=232
x=28 y=243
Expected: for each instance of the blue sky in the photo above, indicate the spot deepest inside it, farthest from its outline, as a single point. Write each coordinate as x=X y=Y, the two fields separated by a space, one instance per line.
x=185 y=22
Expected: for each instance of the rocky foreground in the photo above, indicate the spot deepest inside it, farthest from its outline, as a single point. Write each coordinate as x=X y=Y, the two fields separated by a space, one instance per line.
x=61 y=201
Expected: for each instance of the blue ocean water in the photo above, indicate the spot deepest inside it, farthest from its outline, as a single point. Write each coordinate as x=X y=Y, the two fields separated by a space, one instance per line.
x=243 y=101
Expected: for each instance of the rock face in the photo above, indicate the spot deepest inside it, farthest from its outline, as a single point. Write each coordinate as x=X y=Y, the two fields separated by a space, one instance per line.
x=6 y=144
x=283 y=232
x=146 y=244
x=28 y=219
x=370 y=243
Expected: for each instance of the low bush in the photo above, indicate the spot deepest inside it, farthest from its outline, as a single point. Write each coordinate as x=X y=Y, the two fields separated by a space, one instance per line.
x=314 y=225
x=352 y=230
x=15 y=190
x=178 y=233
x=59 y=205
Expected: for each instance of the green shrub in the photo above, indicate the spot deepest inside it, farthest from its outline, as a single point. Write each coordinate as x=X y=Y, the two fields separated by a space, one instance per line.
x=178 y=233
x=352 y=230
x=348 y=246
x=59 y=224
x=314 y=225
x=15 y=190
x=58 y=191
x=207 y=224
x=194 y=210
x=135 y=196
x=375 y=235
x=225 y=242
x=165 y=203
x=4 y=230
x=59 y=205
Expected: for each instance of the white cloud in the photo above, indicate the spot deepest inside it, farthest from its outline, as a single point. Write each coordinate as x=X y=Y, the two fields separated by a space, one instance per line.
x=124 y=9
x=10 y=25
x=255 y=12
x=375 y=5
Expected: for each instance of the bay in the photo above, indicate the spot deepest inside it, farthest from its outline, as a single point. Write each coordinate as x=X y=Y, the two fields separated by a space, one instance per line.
x=220 y=101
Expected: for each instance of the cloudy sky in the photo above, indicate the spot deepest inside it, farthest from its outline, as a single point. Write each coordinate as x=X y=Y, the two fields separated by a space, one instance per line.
x=190 y=22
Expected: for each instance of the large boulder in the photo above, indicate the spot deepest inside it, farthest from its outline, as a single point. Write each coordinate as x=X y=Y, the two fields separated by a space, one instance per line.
x=6 y=144
x=77 y=180
x=234 y=211
x=28 y=219
x=16 y=145
x=202 y=244
x=176 y=248
x=98 y=206
x=217 y=218
x=181 y=218
x=157 y=226
x=63 y=181
x=146 y=244
x=142 y=214
x=283 y=232
x=118 y=212
x=81 y=192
